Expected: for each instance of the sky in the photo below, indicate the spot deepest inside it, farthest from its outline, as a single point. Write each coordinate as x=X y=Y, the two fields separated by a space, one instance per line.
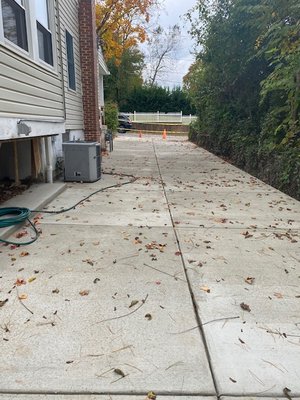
x=171 y=13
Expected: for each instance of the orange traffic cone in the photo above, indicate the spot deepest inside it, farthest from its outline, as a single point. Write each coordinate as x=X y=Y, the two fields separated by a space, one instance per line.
x=140 y=134
x=164 y=136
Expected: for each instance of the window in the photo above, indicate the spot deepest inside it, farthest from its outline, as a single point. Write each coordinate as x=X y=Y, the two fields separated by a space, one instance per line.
x=14 y=23
x=71 y=65
x=43 y=33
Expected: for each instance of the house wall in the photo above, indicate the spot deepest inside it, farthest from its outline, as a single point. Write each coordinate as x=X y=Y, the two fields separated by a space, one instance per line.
x=68 y=13
x=30 y=89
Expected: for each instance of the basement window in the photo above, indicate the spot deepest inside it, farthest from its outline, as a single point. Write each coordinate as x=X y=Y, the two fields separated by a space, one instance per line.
x=71 y=63
x=14 y=22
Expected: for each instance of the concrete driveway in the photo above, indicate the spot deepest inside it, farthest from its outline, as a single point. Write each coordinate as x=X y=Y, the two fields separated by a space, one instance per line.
x=185 y=283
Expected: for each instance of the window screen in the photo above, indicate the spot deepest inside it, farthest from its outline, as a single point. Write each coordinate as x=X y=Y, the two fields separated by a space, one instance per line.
x=71 y=65
x=14 y=23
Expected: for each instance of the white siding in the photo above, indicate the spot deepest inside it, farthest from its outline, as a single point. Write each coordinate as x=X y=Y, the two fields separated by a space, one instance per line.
x=68 y=12
x=27 y=90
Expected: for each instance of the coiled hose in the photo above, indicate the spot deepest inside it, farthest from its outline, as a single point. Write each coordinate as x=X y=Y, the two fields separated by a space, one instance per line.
x=11 y=216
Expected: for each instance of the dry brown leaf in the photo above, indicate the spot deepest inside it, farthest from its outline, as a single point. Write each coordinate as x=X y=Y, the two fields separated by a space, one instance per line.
x=3 y=302
x=133 y=303
x=19 y=235
x=178 y=253
x=20 y=282
x=205 y=289
x=221 y=220
x=250 y=280
x=23 y=296
x=245 y=307
x=84 y=292
x=119 y=372
x=278 y=295
x=89 y=261
x=24 y=254
x=247 y=235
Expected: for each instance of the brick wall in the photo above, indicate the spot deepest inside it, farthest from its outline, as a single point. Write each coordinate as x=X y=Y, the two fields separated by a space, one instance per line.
x=89 y=69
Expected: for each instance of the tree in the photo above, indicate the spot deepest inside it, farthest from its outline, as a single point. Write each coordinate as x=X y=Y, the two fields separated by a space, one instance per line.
x=125 y=77
x=246 y=84
x=121 y=24
x=162 y=47
x=156 y=98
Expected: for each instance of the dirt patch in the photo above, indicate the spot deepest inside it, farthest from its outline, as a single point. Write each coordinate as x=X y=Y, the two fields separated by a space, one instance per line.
x=9 y=190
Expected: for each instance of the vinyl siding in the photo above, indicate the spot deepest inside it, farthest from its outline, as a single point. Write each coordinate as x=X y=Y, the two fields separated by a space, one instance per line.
x=27 y=90
x=68 y=12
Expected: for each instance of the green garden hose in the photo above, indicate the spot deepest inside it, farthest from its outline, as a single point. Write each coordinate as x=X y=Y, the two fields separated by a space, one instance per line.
x=11 y=216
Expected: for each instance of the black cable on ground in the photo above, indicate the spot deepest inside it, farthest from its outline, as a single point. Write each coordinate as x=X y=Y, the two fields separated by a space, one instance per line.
x=19 y=215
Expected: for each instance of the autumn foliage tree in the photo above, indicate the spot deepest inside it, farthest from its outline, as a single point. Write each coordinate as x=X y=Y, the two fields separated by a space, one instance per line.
x=121 y=24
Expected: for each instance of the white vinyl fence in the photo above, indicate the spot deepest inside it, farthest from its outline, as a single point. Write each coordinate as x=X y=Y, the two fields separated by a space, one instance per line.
x=175 y=118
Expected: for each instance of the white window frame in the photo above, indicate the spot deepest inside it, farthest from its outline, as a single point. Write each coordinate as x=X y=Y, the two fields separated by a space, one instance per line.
x=31 y=26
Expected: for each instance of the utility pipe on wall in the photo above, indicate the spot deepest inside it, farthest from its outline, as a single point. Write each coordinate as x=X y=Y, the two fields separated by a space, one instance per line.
x=16 y=161
x=49 y=158
x=43 y=157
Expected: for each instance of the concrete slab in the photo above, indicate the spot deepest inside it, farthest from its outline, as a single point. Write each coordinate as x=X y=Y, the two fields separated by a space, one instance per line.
x=253 y=398
x=257 y=350
x=234 y=209
x=96 y=397
x=80 y=328
x=114 y=207
x=110 y=291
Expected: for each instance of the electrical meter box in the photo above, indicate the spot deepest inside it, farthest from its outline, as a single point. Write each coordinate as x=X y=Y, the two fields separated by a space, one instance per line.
x=82 y=161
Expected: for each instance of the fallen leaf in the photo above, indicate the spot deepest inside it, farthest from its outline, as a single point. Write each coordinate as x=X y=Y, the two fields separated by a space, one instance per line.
x=84 y=292
x=221 y=220
x=278 y=295
x=33 y=278
x=250 y=280
x=178 y=253
x=89 y=261
x=20 y=282
x=24 y=254
x=19 y=235
x=151 y=396
x=286 y=392
x=3 y=302
x=245 y=307
x=23 y=296
x=205 y=289
x=247 y=235
x=119 y=372
x=133 y=303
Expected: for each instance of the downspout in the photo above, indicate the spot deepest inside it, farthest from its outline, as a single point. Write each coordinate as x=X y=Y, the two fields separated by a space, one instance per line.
x=49 y=158
x=43 y=156
x=61 y=61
